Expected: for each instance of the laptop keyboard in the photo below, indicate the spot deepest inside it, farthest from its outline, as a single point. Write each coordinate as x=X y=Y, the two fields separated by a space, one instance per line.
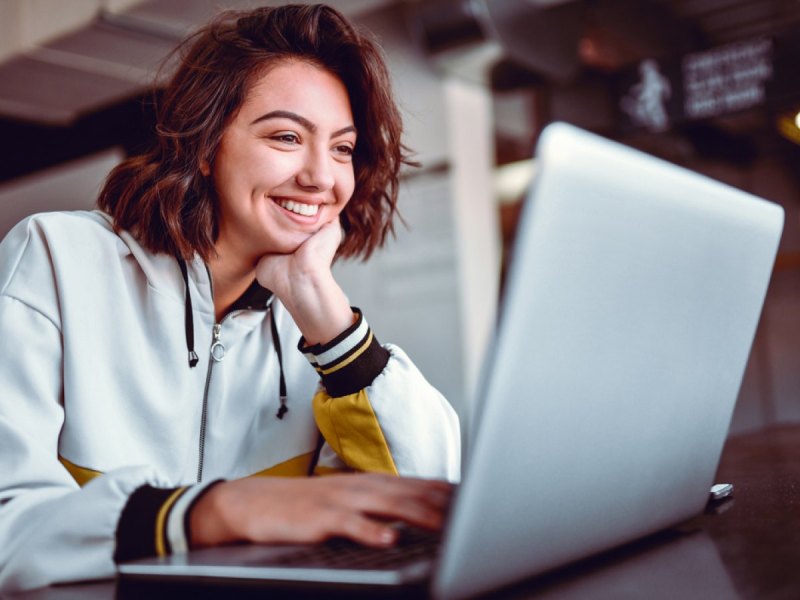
x=412 y=545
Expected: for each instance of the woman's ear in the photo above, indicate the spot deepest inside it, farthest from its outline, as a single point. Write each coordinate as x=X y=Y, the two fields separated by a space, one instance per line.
x=204 y=168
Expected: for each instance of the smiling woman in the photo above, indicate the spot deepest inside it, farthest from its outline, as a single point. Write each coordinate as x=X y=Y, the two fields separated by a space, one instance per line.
x=281 y=178
x=276 y=135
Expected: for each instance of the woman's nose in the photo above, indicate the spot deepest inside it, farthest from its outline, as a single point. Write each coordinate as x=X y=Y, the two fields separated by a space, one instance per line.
x=317 y=171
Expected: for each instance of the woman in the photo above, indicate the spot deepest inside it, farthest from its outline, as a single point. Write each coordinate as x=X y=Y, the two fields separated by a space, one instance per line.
x=278 y=149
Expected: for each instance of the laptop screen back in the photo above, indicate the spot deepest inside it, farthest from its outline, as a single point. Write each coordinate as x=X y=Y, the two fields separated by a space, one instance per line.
x=632 y=301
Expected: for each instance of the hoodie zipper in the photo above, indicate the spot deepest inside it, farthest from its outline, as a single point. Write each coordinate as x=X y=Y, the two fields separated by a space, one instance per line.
x=216 y=354
x=212 y=358
x=216 y=346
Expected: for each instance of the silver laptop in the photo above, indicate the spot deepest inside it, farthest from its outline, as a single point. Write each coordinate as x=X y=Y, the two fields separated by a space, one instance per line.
x=629 y=311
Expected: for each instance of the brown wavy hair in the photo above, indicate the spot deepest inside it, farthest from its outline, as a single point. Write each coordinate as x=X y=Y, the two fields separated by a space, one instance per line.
x=163 y=199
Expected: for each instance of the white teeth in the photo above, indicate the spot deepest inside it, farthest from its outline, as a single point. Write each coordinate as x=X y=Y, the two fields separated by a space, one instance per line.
x=307 y=210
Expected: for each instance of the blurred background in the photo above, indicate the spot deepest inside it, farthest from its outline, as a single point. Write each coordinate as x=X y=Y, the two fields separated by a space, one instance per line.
x=708 y=84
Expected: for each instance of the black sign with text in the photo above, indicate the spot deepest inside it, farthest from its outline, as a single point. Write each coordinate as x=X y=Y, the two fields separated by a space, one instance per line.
x=701 y=85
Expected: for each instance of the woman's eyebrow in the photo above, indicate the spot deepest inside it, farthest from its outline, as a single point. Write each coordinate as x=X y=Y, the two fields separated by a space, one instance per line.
x=286 y=114
x=300 y=120
x=343 y=130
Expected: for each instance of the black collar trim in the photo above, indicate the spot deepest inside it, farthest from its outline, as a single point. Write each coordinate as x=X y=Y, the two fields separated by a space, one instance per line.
x=255 y=297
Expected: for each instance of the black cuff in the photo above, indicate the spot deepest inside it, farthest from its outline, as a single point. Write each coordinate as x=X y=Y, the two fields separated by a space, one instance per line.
x=318 y=349
x=359 y=373
x=136 y=530
x=352 y=368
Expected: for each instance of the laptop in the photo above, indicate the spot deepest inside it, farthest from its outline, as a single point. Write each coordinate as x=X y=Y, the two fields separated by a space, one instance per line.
x=630 y=308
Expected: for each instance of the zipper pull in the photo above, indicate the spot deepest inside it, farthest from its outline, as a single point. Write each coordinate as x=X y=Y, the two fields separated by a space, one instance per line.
x=217 y=347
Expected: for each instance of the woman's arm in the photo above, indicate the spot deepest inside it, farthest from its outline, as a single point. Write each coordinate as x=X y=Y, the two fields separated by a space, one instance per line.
x=375 y=409
x=381 y=414
x=51 y=530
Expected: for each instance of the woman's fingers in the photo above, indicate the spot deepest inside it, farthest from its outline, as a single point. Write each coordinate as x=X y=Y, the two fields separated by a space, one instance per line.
x=360 y=528
x=364 y=507
x=418 y=502
x=272 y=510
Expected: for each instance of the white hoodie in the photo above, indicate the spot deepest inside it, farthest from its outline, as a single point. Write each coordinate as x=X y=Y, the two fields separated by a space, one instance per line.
x=96 y=391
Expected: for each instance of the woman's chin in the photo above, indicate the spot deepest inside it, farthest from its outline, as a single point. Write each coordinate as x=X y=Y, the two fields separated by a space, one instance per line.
x=290 y=244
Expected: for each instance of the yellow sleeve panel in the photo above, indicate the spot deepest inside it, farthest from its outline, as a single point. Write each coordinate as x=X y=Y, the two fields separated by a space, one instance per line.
x=323 y=471
x=350 y=427
x=299 y=466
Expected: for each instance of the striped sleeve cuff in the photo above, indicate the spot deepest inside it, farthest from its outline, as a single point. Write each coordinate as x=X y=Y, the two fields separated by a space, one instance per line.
x=155 y=521
x=349 y=362
x=177 y=528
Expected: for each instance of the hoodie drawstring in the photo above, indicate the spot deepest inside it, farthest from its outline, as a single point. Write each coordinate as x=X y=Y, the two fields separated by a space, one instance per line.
x=276 y=341
x=188 y=319
x=193 y=359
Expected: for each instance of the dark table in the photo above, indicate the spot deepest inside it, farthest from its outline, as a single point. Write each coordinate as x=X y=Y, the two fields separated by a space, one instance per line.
x=745 y=547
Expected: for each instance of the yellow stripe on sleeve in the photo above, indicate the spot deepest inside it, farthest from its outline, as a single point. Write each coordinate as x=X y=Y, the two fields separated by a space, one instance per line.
x=161 y=544
x=350 y=427
x=350 y=359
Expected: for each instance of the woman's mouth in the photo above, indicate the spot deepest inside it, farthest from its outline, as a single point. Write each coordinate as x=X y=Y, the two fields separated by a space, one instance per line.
x=298 y=208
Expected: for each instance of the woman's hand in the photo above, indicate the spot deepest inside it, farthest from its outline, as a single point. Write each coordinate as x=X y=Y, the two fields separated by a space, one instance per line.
x=304 y=284
x=307 y=510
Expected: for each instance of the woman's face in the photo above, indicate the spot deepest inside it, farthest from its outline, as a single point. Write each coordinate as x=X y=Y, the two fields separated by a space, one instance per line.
x=284 y=166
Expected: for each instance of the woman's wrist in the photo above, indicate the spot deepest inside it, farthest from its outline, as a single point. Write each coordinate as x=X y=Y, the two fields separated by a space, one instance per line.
x=207 y=523
x=319 y=307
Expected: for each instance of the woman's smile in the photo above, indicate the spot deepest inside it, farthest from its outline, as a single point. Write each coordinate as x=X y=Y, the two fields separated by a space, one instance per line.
x=298 y=208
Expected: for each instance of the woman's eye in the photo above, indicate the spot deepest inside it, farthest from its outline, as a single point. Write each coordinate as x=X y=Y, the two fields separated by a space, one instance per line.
x=286 y=138
x=344 y=149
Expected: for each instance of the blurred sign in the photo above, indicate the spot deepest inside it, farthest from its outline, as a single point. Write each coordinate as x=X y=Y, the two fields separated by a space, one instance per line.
x=701 y=85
